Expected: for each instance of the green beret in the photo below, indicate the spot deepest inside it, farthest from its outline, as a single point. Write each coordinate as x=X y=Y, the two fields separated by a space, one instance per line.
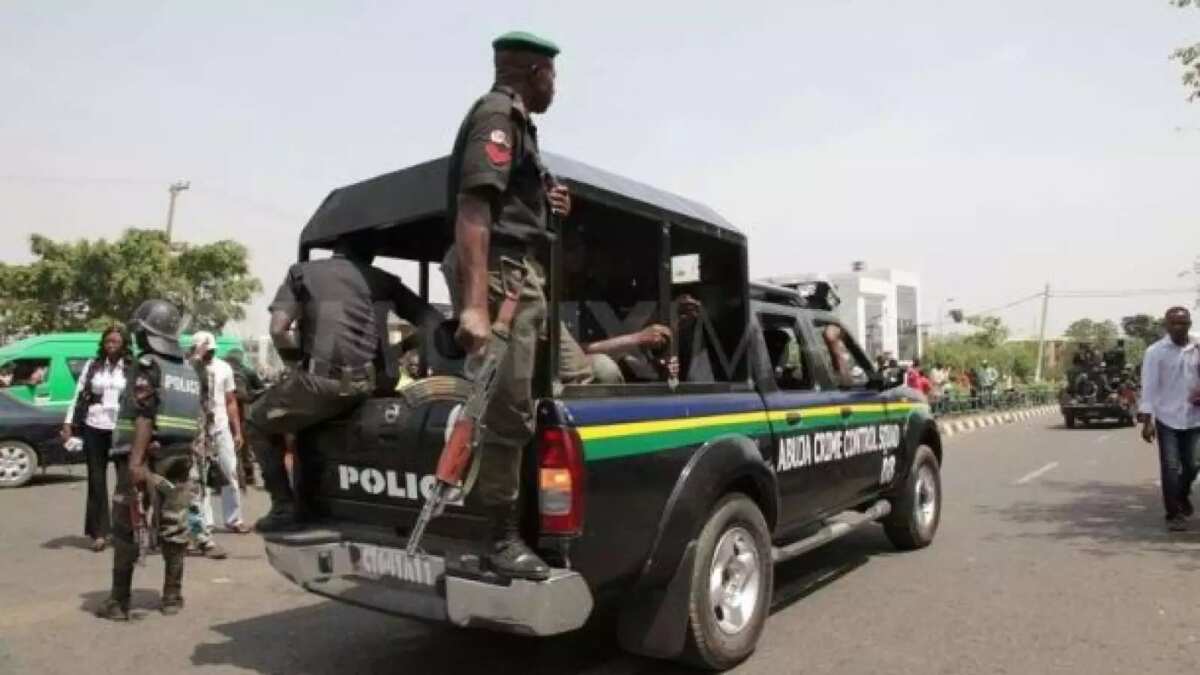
x=521 y=41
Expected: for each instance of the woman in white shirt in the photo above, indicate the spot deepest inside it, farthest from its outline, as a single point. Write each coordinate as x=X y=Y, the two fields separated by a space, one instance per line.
x=93 y=416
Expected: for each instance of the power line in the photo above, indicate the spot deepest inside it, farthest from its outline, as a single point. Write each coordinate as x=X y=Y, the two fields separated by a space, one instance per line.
x=1131 y=293
x=1005 y=306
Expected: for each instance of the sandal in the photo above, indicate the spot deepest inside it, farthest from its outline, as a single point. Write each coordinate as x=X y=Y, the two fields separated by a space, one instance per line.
x=238 y=528
x=99 y=544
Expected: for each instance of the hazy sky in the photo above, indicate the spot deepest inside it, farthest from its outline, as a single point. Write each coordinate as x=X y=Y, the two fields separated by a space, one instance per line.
x=989 y=147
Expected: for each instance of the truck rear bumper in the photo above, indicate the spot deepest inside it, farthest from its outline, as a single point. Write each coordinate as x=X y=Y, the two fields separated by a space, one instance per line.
x=384 y=579
x=1096 y=410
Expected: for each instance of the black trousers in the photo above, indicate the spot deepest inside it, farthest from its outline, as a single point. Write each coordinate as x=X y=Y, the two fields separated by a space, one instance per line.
x=97 y=522
x=298 y=401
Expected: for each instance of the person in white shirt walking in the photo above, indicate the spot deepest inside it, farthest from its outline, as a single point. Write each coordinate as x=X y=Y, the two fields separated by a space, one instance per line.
x=224 y=432
x=1170 y=411
x=92 y=418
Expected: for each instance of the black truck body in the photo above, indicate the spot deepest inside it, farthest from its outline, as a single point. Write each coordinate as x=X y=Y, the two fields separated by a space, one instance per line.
x=777 y=437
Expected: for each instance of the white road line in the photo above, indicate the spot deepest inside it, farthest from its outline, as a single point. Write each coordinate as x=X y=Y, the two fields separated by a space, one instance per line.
x=1034 y=474
x=1102 y=437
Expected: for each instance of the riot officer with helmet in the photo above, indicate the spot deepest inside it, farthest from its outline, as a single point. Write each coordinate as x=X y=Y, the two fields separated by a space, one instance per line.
x=160 y=419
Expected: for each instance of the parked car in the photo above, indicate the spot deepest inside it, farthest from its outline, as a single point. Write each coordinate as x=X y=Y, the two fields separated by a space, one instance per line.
x=42 y=370
x=29 y=440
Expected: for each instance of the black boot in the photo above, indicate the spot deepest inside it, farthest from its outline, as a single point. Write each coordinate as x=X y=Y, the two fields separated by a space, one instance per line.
x=510 y=556
x=172 y=595
x=116 y=607
x=282 y=517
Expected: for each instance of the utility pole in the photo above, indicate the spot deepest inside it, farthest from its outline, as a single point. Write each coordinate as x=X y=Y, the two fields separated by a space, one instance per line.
x=174 y=189
x=1037 y=373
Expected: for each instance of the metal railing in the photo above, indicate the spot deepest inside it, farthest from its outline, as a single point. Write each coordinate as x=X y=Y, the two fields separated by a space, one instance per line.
x=957 y=403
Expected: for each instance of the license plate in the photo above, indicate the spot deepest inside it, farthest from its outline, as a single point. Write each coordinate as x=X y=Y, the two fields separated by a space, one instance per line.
x=392 y=563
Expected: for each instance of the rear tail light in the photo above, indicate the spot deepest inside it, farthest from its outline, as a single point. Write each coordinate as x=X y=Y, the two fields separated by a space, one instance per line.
x=560 y=481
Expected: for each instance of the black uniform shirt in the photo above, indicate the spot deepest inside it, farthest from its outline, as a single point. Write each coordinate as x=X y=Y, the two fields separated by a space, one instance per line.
x=143 y=395
x=141 y=399
x=342 y=308
x=496 y=151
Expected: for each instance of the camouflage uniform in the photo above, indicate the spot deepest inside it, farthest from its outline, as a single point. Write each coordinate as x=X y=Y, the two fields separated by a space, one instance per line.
x=169 y=393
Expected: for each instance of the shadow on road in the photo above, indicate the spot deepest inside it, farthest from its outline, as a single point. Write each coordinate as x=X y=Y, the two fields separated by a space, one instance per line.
x=141 y=602
x=330 y=638
x=56 y=479
x=1103 y=519
x=1081 y=427
x=327 y=638
x=69 y=541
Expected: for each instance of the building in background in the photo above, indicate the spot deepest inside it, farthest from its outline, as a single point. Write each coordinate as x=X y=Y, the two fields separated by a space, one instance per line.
x=881 y=307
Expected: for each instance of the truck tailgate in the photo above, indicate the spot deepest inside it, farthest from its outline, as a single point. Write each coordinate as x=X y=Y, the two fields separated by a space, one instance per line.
x=375 y=466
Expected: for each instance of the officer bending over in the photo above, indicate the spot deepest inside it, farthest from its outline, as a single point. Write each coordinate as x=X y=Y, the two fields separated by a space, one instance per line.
x=160 y=420
x=338 y=307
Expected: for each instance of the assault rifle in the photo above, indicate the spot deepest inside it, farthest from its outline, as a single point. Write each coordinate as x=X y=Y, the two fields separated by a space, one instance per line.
x=142 y=533
x=467 y=428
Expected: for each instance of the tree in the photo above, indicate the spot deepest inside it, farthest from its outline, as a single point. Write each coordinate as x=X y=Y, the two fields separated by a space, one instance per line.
x=992 y=331
x=85 y=284
x=1189 y=57
x=1143 y=327
x=1099 y=334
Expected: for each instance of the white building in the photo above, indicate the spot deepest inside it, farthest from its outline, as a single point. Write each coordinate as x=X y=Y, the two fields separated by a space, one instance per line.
x=881 y=307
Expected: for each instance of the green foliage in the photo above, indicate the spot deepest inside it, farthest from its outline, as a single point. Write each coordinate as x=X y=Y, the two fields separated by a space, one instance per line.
x=959 y=353
x=1189 y=57
x=1100 y=334
x=1144 y=327
x=84 y=284
x=992 y=332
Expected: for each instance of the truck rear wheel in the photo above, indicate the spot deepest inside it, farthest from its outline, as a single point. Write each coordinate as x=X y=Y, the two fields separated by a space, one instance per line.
x=731 y=585
x=917 y=509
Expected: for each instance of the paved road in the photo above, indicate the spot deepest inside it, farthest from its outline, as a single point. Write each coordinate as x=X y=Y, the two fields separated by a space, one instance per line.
x=1051 y=558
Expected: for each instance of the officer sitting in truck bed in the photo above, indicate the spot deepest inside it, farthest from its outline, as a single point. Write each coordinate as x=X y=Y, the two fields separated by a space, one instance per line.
x=339 y=307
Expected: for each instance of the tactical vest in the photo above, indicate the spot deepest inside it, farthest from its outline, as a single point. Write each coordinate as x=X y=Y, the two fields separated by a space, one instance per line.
x=180 y=407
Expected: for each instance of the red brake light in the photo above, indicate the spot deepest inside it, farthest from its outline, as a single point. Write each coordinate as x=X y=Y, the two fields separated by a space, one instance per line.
x=560 y=481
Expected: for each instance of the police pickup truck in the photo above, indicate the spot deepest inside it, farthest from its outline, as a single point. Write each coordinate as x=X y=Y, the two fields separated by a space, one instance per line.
x=667 y=495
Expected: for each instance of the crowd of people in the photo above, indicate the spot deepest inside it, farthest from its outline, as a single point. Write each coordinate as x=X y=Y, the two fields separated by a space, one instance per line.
x=939 y=382
x=228 y=466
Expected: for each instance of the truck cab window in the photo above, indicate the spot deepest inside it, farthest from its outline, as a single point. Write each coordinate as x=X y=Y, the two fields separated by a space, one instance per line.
x=848 y=365
x=785 y=353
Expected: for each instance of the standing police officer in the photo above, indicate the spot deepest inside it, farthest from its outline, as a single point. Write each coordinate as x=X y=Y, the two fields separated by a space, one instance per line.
x=160 y=419
x=500 y=198
x=339 y=307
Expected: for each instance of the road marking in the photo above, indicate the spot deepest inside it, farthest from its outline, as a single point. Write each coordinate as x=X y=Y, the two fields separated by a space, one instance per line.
x=1034 y=474
x=1102 y=437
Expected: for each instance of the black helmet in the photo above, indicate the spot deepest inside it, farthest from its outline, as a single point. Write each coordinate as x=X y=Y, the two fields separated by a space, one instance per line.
x=156 y=325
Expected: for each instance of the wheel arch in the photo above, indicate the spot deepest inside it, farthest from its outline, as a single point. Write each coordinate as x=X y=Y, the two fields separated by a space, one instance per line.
x=654 y=621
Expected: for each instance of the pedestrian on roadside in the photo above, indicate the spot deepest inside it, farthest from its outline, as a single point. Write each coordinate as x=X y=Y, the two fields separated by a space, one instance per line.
x=93 y=416
x=1170 y=411
x=249 y=386
x=912 y=376
x=224 y=432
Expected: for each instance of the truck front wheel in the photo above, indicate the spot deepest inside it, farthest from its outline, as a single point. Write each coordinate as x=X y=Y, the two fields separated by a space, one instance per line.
x=917 y=509
x=731 y=585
